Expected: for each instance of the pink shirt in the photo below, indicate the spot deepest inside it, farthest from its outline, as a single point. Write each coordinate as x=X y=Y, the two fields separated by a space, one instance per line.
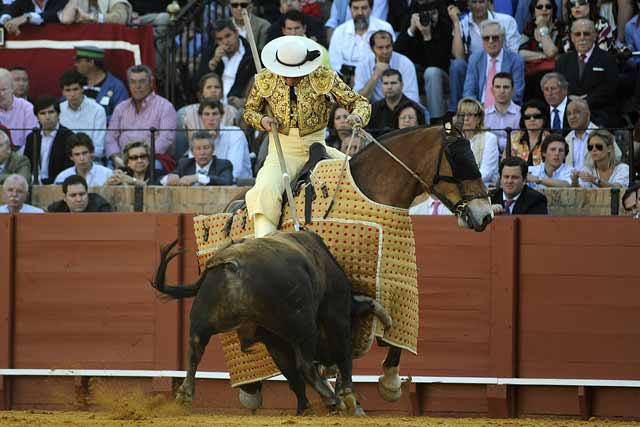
x=20 y=120
x=127 y=124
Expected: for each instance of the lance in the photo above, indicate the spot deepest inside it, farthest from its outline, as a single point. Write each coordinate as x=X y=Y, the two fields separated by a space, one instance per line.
x=274 y=129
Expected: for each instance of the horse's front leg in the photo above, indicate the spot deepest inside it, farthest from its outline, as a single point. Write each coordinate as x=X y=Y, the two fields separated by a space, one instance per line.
x=389 y=385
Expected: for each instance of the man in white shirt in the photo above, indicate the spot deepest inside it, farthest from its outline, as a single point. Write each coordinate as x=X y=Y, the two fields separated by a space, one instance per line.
x=467 y=40
x=82 y=149
x=369 y=71
x=341 y=12
x=81 y=113
x=555 y=88
x=14 y=193
x=504 y=112
x=430 y=206
x=579 y=120
x=552 y=172
x=350 y=41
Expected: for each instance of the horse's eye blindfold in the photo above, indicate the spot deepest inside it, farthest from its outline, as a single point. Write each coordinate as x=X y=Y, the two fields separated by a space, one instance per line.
x=460 y=157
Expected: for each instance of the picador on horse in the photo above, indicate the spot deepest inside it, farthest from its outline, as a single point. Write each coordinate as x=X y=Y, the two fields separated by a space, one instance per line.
x=360 y=238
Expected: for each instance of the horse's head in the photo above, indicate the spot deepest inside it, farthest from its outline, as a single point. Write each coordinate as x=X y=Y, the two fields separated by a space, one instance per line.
x=458 y=184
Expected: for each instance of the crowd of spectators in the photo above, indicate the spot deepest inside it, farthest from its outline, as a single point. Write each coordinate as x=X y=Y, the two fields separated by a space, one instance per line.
x=550 y=83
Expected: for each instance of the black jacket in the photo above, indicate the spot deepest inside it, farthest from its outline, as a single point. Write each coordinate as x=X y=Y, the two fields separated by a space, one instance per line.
x=530 y=202
x=598 y=82
x=97 y=203
x=50 y=14
x=58 y=158
x=220 y=171
x=315 y=29
x=433 y=53
x=244 y=75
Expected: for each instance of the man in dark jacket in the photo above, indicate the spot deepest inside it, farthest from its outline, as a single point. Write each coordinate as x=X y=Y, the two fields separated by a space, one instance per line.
x=47 y=148
x=22 y=12
x=77 y=199
x=514 y=197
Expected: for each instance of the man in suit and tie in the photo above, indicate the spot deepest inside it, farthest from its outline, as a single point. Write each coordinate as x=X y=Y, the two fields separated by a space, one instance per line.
x=47 y=148
x=555 y=88
x=204 y=168
x=514 y=197
x=591 y=72
x=493 y=59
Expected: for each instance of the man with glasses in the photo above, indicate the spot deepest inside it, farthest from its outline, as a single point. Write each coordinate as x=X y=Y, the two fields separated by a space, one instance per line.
x=15 y=113
x=631 y=201
x=591 y=72
x=133 y=118
x=467 y=40
x=485 y=64
x=259 y=25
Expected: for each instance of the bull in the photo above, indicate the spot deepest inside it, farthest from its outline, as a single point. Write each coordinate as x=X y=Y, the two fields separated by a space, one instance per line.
x=286 y=291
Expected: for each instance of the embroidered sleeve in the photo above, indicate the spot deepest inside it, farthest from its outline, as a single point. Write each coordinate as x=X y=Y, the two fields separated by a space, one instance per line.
x=351 y=100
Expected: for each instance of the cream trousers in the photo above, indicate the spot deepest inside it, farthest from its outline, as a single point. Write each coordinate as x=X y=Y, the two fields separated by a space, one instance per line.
x=266 y=195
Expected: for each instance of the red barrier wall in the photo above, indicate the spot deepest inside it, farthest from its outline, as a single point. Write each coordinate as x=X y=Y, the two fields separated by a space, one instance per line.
x=529 y=297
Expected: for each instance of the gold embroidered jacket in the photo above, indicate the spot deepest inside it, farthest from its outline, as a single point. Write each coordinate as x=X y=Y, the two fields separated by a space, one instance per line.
x=314 y=92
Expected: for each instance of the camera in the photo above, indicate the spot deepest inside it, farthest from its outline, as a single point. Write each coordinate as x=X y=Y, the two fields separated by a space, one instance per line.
x=425 y=18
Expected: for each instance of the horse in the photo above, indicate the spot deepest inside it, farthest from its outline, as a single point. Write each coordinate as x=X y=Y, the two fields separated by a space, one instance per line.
x=412 y=161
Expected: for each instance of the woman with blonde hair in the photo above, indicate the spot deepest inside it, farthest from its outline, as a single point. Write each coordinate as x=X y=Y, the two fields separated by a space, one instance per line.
x=484 y=144
x=602 y=168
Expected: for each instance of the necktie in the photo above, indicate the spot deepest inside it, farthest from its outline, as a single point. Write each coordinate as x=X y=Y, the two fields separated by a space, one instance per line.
x=488 y=95
x=581 y=64
x=507 y=206
x=436 y=205
x=556 y=119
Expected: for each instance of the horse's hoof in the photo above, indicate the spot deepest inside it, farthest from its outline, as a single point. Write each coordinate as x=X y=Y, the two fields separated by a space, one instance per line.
x=251 y=401
x=353 y=408
x=389 y=385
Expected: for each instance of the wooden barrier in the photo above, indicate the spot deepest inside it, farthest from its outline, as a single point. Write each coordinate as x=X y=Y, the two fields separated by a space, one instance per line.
x=206 y=200
x=528 y=298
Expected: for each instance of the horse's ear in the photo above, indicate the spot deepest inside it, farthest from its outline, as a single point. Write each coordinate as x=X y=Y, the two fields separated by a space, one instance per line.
x=451 y=131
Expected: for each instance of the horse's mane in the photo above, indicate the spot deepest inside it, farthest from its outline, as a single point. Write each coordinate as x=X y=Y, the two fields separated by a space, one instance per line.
x=387 y=136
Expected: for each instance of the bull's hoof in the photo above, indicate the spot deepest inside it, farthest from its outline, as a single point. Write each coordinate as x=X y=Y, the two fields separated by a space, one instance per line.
x=389 y=385
x=251 y=401
x=184 y=398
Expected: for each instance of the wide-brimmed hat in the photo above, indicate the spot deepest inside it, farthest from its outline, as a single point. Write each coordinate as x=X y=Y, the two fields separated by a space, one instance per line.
x=292 y=56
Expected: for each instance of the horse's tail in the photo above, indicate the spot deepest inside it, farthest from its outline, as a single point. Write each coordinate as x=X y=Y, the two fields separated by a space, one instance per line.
x=175 y=292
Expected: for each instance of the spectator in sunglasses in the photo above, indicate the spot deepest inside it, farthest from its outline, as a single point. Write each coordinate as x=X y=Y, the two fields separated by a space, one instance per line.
x=586 y=9
x=552 y=172
x=631 y=201
x=527 y=142
x=603 y=169
x=484 y=144
x=137 y=170
x=259 y=25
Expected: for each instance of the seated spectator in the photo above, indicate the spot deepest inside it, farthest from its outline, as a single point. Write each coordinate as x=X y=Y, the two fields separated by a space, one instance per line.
x=15 y=191
x=514 y=196
x=259 y=25
x=12 y=163
x=230 y=58
x=540 y=44
x=631 y=201
x=527 y=142
x=430 y=206
x=350 y=41
x=381 y=58
x=102 y=86
x=96 y=12
x=21 y=12
x=20 y=82
x=552 y=172
x=602 y=169
x=204 y=168
x=408 y=114
x=229 y=141
x=341 y=12
x=579 y=119
x=504 y=113
x=493 y=58
x=16 y=114
x=47 y=148
x=591 y=72
x=467 y=40
x=382 y=111
x=77 y=198
x=81 y=151
x=133 y=118
x=632 y=36
x=137 y=172
x=603 y=36
x=312 y=26
x=483 y=144
x=429 y=48
x=340 y=133
x=555 y=89
x=81 y=113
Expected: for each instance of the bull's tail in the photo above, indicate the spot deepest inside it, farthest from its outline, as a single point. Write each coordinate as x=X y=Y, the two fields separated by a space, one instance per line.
x=176 y=292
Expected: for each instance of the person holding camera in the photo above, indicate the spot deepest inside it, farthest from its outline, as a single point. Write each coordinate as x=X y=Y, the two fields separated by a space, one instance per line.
x=427 y=43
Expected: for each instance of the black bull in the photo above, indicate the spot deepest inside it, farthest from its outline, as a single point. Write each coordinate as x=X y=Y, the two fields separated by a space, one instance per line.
x=286 y=291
